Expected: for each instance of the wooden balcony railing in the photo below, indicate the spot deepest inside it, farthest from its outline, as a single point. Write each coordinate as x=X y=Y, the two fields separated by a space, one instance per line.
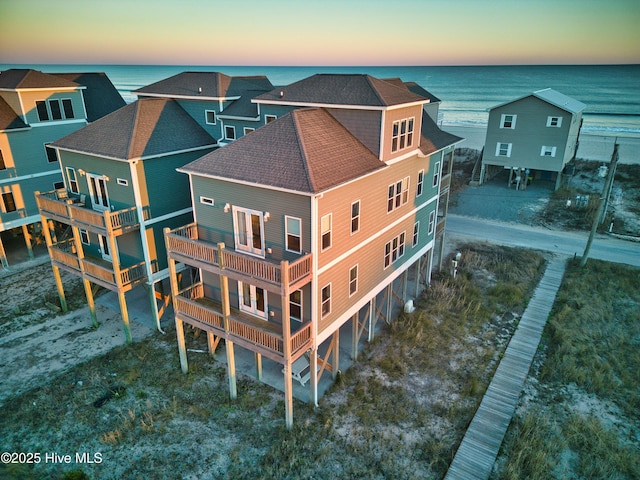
x=185 y=243
x=71 y=211
x=128 y=276
x=64 y=253
x=258 y=335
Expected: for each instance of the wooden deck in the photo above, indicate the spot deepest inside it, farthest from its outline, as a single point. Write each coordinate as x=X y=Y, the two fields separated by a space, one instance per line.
x=479 y=447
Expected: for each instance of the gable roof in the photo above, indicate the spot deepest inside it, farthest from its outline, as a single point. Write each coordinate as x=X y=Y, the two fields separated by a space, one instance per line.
x=100 y=97
x=341 y=89
x=209 y=85
x=306 y=150
x=552 y=97
x=432 y=138
x=144 y=128
x=560 y=100
x=24 y=78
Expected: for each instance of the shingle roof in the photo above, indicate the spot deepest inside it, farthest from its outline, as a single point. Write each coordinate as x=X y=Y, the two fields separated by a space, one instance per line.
x=9 y=119
x=100 y=96
x=205 y=84
x=432 y=138
x=306 y=151
x=560 y=100
x=552 y=97
x=417 y=89
x=335 y=89
x=144 y=128
x=17 y=78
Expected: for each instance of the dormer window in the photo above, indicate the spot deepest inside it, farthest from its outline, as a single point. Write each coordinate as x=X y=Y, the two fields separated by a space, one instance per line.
x=402 y=135
x=210 y=116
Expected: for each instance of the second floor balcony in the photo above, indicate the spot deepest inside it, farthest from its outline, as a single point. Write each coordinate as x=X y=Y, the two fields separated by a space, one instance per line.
x=73 y=210
x=65 y=255
x=184 y=245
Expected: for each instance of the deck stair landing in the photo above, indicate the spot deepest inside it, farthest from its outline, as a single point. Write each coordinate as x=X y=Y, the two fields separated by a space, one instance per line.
x=479 y=447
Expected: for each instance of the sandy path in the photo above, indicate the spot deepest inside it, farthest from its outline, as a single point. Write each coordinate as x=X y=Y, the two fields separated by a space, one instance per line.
x=31 y=354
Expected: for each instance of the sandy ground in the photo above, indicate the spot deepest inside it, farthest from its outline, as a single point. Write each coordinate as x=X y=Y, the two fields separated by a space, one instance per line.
x=36 y=341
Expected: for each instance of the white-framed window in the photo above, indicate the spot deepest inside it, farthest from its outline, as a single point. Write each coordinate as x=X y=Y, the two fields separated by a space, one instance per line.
x=436 y=173
x=210 y=117
x=355 y=217
x=207 y=200
x=98 y=190
x=508 y=121
x=293 y=234
x=420 y=183
x=229 y=132
x=295 y=305
x=73 y=181
x=247 y=130
x=325 y=230
x=353 y=280
x=326 y=300
x=398 y=194
x=269 y=118
x=416 y=234
x=54 y=109
x=554 y=121
x=248 y=229
x=402 y=134
x=432 y=222
x=503 y=149
x=547 y=151
x=123 y=182
x=394 y=249
x=52 y=155
x=84 y=237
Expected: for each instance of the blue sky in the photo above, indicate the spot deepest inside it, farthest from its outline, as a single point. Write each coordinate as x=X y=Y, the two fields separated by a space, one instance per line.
x=325 y=32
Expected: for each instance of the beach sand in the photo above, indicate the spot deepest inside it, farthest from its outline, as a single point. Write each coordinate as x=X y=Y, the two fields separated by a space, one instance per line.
x=592 y=147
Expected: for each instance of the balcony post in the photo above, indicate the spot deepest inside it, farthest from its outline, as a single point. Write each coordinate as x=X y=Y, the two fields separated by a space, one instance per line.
x=56 y=270
x=226 y=312
x=87 y=284
x=27 y=240
x=336 y=354
x=173 y=279
x=3 y=256
x=115 y=261
x=286 y=344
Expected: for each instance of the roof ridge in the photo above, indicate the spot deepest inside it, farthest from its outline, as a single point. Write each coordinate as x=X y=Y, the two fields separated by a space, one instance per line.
x=134 y=130
x=369 y=79
x=305 y=163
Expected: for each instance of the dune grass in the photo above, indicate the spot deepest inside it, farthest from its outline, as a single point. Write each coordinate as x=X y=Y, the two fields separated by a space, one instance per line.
x=589 y=356
x=398 y=413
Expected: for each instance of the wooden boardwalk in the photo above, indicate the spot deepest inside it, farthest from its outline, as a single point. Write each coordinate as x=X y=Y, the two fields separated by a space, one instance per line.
x=479 y=447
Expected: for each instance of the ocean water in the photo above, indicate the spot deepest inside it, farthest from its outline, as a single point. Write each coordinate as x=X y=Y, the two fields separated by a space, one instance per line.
x=610 y=92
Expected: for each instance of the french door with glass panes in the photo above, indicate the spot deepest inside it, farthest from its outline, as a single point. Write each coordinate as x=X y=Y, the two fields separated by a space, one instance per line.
x=253 y=299
x=248 y=228
x=98 y=191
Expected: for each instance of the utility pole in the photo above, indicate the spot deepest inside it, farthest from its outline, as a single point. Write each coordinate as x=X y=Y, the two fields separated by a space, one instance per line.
x=605 y=190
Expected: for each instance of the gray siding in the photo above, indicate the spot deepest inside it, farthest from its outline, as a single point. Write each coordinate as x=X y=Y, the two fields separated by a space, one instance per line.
x=214 y=220
x=530 y=135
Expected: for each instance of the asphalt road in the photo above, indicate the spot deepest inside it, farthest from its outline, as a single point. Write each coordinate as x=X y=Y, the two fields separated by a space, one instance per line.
x=556 y=241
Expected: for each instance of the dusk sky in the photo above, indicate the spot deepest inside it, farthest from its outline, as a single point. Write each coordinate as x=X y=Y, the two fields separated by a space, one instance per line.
x=321 y=32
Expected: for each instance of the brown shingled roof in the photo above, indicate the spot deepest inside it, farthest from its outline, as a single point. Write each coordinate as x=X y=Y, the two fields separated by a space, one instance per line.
x=9 y=119
x=205 y=84
x=305 y=151
x=19 y=78
x=100 y=96
x=432 y=138
x=144 y=128
x=335 y=89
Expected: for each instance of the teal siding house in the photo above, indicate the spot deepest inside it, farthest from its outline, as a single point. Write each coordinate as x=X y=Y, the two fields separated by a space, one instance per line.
x=219 y=103
x=311 y=224
x=120 y=190
x=36 y=109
